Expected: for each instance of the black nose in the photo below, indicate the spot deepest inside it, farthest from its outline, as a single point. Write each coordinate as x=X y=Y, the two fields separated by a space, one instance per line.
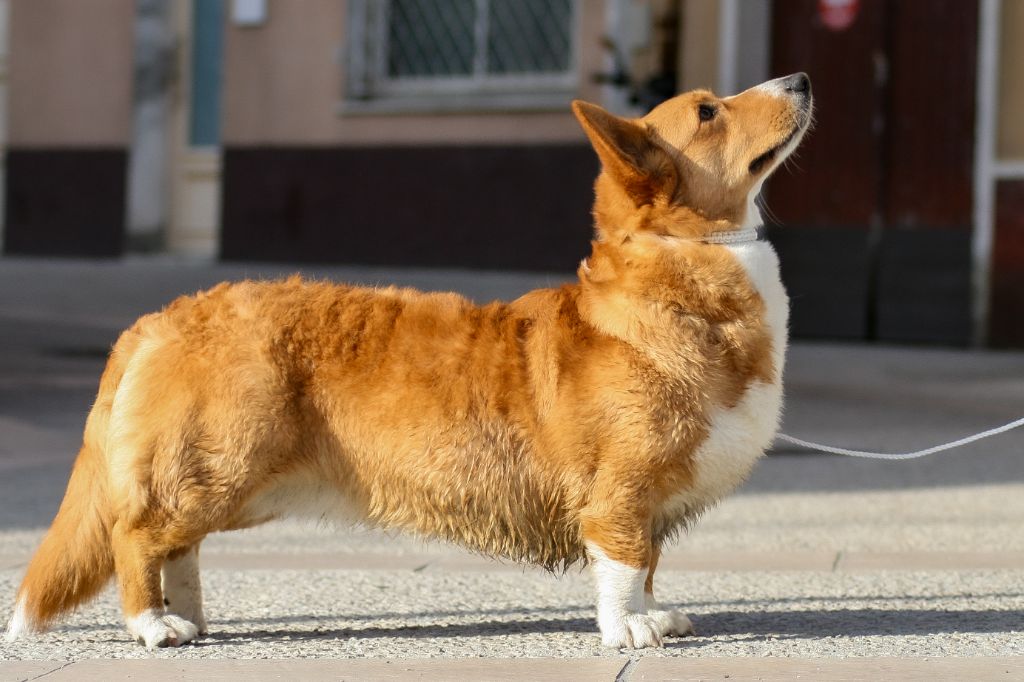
x=798 y=82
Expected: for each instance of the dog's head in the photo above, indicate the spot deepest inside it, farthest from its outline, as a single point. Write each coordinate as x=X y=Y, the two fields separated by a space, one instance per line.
x=694 y=165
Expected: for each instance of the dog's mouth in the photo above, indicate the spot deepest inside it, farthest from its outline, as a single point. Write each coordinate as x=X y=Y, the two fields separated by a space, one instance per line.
x=759 y=163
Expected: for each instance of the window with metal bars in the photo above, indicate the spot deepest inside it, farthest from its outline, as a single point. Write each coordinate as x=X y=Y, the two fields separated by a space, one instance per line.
x=461 y=53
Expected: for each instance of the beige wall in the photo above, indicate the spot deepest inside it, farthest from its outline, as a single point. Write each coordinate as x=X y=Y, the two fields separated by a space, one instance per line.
x=283 y=83
x=1010 y=141
x=70 y=75
x=698 y=57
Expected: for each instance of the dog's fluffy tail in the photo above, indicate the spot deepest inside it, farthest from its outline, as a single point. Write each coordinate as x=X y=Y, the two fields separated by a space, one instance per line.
x=75 y=559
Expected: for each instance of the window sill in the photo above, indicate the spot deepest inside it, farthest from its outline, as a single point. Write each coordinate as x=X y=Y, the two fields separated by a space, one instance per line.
x=456 y=104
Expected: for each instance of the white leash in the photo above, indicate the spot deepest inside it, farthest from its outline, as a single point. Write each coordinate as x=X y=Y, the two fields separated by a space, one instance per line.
x=904 y=455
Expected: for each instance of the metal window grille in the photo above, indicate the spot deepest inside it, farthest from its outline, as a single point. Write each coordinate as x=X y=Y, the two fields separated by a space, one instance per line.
x=409 y=48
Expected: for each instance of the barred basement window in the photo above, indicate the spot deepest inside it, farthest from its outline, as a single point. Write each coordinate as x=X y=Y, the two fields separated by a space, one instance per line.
x=453 y=54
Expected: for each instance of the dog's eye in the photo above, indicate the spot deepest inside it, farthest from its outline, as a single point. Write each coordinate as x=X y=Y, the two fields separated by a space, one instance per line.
x=706 y=112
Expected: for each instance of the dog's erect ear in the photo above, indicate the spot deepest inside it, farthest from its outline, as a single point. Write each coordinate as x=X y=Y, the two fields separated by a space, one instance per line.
x=627 y=152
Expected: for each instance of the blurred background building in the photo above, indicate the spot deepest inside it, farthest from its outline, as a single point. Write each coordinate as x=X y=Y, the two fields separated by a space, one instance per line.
x=437 y=133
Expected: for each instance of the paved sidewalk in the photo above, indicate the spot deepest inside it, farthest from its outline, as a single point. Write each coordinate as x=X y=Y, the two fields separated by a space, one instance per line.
x=538 y=670
x=824 y=567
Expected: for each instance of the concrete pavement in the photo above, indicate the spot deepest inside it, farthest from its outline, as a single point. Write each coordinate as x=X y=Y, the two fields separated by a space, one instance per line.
x=824 y=567
x=539 y=670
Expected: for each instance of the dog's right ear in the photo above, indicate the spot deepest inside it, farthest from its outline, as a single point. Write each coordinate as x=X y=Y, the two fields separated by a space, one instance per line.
x=627 y=152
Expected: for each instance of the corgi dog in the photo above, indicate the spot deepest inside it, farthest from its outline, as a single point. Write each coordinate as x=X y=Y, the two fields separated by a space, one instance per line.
x=585 y=423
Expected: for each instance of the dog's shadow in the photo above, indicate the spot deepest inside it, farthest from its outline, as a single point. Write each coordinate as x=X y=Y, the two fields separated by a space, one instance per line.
x=852 y=623
x=528 y=623
x=716 y=621
x=491 y=628
x=812 y=624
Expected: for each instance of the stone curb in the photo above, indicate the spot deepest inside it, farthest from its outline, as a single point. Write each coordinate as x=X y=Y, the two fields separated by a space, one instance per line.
x=540 y=669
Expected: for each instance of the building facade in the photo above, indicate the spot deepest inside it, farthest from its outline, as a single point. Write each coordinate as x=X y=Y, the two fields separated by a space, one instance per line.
x=437 y=133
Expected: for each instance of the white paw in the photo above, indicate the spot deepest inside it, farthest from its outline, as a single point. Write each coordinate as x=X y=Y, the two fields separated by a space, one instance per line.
x=159 y=630
x=672 y=622
x=631 y=631
x=202 y=628
x=190 y=614
x=183 y=592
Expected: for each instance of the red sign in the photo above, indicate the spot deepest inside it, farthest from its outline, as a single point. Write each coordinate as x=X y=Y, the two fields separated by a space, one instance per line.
x=838 y=15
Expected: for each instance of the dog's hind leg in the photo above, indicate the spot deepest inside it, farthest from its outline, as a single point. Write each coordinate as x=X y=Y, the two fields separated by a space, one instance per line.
x=183 y=591
x=138 y=561
x=669 y=621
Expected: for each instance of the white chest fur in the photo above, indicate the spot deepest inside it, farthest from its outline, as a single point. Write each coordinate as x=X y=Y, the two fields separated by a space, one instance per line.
x=739 y=435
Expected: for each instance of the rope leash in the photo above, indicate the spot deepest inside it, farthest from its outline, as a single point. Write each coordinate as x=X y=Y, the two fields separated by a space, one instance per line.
x=903 y=455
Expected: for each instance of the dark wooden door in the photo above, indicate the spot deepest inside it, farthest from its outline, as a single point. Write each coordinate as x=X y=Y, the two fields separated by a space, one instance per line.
x=877 y=207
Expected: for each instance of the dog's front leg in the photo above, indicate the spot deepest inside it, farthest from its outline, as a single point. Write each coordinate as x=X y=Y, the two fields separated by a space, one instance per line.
x=619 y=546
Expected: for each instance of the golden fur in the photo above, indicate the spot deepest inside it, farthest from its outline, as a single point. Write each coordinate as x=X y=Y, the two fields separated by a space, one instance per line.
x=523 y=430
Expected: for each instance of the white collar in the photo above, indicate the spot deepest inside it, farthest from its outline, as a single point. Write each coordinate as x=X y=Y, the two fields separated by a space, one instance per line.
x=747 y=234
